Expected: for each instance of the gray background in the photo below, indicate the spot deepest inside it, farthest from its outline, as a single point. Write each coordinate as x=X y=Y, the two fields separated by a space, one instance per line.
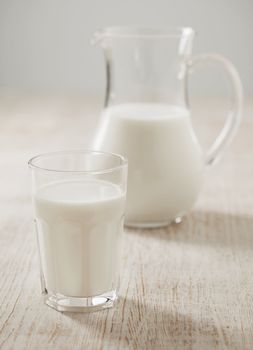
x=45 y=44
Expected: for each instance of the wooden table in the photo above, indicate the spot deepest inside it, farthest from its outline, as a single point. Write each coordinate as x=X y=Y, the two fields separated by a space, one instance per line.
x=188 y=286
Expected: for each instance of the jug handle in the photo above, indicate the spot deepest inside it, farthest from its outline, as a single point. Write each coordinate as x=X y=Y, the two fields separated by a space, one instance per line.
x=234 y=115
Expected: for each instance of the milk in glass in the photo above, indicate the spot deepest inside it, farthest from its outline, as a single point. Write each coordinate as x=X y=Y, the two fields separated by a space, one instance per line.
x=79 y=230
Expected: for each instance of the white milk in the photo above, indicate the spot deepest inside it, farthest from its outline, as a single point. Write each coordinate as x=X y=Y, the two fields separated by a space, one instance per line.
x=79 y=230
x=165 y=160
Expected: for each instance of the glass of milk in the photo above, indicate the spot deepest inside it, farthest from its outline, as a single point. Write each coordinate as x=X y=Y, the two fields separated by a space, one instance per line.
x=79 y=203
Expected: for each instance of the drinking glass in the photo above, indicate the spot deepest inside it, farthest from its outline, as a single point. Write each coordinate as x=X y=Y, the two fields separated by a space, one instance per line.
x=79 y=202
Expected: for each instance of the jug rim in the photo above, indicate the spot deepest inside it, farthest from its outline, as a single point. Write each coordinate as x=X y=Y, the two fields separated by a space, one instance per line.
x=148 y=32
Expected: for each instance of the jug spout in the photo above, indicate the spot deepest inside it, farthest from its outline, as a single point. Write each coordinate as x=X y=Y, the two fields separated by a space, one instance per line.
x=96 y=37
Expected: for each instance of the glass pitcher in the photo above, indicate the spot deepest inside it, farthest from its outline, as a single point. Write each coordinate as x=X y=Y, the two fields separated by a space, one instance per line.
x=146 y=117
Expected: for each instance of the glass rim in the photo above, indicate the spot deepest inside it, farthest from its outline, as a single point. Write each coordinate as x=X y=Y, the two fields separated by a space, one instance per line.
x=123 y=162
x=142 y=32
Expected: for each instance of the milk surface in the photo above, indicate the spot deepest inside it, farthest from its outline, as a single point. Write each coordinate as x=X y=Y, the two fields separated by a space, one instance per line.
x=165 y=159
x=79 y=230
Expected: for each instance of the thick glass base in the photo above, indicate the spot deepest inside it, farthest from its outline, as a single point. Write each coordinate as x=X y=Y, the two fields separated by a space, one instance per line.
x=64 y=303
x=150 y=225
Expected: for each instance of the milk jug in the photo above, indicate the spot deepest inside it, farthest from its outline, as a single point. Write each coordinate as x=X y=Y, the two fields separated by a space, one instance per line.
x=147 y=118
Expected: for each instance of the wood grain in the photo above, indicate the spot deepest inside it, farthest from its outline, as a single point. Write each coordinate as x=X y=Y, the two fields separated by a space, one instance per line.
x=188 y=286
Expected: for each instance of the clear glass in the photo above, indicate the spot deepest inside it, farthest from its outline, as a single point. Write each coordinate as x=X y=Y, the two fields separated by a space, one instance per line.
x=79 y=203
x=146 y=117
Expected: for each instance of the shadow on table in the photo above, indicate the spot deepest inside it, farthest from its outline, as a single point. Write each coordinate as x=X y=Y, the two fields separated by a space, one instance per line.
x=206 y=228
x=134 y=324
